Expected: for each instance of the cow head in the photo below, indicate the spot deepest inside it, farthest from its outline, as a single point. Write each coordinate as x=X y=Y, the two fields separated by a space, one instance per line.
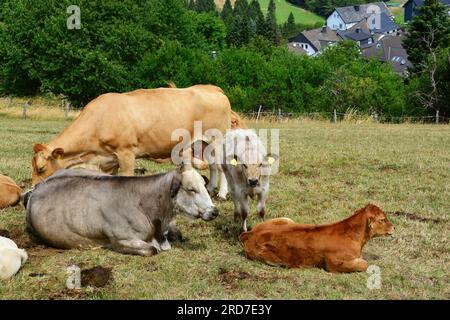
x=190 y=195
x=46 y=161
x=253 y=170
x=377 y=222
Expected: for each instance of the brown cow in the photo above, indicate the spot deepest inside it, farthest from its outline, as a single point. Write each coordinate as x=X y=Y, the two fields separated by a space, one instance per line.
x=335 y=247
x=9 y=192
x=116 y=128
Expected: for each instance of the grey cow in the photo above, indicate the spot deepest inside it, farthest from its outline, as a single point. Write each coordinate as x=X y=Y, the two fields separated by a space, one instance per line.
x=75 y=208
x=247 y=168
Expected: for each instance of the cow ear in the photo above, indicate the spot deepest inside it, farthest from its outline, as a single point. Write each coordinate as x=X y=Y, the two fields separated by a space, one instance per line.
x=175 y=186
x=58 y=153
x=38 y=147
x=271 y=158
x=370 y=223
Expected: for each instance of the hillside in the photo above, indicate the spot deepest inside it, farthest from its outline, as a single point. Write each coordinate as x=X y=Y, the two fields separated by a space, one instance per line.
x=283 y=10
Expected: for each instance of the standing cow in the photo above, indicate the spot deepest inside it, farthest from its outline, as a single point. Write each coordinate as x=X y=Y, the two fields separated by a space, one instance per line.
x=115 y=129
x=247 y=168
x=9 y=192
x=131 y=215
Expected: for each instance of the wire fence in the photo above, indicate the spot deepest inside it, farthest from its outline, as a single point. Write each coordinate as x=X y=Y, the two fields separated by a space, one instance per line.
x=279 y=116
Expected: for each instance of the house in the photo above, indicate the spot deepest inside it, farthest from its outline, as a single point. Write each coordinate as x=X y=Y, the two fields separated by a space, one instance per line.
x=411 y=7
x=315 y=40
x=389 y=49
x=367 y=31
x=344 y=18
x=296 y=48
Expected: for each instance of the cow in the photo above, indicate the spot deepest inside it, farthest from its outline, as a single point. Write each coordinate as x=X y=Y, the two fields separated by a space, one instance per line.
x=9 y=192
x=131 y=215
x=335 y=247
x=247 y=168
x=115 y=129
x=11 y=258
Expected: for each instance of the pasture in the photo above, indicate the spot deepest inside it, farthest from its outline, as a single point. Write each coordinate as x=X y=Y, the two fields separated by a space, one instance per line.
x=284 y=8
x=326 y=172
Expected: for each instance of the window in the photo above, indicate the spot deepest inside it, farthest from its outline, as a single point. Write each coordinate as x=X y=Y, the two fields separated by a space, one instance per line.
x=340 y=25
x=369 y=41
x=306 y=46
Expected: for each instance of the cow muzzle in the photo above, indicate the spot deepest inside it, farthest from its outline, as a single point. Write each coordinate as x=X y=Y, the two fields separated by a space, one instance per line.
x=253 y=182
x=210 y=214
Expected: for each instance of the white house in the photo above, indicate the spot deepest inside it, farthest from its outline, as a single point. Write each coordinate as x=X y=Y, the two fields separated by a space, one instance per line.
x=315 y=40
x=343 y=18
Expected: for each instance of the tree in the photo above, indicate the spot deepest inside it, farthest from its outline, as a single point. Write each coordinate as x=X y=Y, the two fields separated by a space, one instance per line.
x=432 y=88
x=256 y=17
x=430 y=27
x=290 y=28
x=205 y=6
x=272 y=32
x=227 y=13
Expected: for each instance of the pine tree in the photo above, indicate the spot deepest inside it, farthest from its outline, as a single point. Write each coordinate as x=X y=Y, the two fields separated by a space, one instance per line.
x=256 y=17
x=205 y=6
x=227 y=13
x=290 y=28
x=428 y=31
x=272 y=32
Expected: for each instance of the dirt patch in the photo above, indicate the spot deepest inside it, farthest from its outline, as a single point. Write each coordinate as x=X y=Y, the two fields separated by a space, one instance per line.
x=140 y=171
x=389 y=168
x=230 y=278
x=98 y=277
x=415 y=217
x=67 y=294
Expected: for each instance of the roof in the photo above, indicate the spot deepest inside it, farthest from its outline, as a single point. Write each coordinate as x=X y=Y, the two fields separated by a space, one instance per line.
x=419 y=3
x=318 y=38
x=389 y=49
x=356 y=13
x=386 y=24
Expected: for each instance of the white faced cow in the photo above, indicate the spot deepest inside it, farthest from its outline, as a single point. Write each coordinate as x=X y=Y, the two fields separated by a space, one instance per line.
x=247 y=167
x=74 y=208
x=11 y=258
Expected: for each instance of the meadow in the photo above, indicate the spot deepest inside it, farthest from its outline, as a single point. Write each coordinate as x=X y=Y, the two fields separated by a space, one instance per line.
x=284 y=8
x=327 y=171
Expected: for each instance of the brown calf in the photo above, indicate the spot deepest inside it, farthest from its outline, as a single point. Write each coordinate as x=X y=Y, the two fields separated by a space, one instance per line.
x=335 y=247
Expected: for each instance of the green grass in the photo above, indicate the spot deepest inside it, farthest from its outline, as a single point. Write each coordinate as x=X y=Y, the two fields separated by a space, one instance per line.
x=327 y=171
x=284 y=8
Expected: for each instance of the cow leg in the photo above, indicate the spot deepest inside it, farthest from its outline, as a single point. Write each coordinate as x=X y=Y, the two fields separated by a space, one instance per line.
x=244 y=214
x=214 y=170
x=223 y=189
x=134 y=246
x=127 y=160
x=261 y=206
x=355 y=265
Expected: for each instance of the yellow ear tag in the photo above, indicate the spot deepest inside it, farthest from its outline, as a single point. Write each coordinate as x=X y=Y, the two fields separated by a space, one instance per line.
x=233 y=162
x=58 y=156
x=270 y=160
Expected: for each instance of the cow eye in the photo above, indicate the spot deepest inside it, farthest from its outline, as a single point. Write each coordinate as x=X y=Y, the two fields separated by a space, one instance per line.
x=245 y=166
x=192 y=190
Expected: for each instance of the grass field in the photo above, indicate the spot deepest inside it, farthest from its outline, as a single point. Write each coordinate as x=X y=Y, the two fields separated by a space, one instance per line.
x=327 y=171
x=284 y=8
x=397 y=10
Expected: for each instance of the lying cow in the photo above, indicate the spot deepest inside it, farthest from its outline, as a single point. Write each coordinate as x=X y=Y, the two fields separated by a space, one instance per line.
x=115 y=129
x=247 y=168
x=132 y=215
x=336 y=247
x=11 y=258
x=9 y=192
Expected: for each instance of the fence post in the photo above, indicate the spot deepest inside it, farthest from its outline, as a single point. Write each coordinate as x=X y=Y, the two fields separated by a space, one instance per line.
x=437 y=116
x=334 y=116
x=24 y=111
x=259 y=113
x=375 y=117
x=10 y=102
x=66 y=110
x=279 y=114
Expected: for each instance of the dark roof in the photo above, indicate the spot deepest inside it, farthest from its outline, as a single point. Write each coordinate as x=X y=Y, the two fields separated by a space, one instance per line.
x=389 y=49
x=318 y=38
x=419 y=3
x=358 y=12
x=354 y=35
x=386 y=23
